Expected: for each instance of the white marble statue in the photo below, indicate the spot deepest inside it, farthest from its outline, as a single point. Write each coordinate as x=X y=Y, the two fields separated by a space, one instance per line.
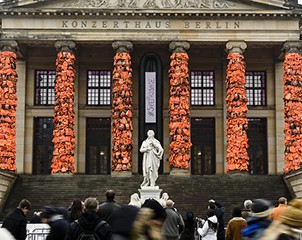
x=164 y=199
x=135 y=200
x=153 y=153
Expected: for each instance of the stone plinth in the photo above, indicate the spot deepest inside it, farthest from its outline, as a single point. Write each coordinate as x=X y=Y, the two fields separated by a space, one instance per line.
x=293 y=181
x=149 y=192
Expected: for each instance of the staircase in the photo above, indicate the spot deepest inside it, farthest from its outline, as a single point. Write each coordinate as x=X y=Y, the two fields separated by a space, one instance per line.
x=189 y=193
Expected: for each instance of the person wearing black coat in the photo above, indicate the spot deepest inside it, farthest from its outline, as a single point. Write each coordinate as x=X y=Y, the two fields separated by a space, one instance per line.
x=107 y=208
x=55 y=217
x=219 y=210
x=88 y=221
x=15 y=222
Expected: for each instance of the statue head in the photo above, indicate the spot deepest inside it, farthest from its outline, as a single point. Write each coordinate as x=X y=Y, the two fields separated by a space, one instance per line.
x=150 y=133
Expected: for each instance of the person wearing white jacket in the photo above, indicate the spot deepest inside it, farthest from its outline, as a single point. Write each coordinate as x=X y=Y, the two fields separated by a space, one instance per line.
x=209 y=228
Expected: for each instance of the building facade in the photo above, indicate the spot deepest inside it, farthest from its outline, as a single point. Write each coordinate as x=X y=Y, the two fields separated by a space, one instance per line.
x=207 y=76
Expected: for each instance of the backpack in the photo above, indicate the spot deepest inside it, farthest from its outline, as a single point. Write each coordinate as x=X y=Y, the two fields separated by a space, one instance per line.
x=89 y=235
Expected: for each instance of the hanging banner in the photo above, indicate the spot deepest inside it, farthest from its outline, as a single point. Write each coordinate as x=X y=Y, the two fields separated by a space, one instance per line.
x=150 y=97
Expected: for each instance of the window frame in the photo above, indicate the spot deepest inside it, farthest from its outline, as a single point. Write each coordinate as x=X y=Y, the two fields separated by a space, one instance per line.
x=253 y=88
x=36 y=102
x=202 y=88
x=99 y=88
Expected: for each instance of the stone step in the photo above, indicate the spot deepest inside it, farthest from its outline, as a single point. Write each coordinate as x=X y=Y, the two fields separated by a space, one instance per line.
x=189 y=193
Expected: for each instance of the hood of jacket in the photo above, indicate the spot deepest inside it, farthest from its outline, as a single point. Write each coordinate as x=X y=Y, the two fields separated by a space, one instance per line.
x=89 y=220
x=213 y=219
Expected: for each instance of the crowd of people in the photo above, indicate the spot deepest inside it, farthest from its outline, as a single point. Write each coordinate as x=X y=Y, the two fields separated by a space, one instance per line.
x=158 y=220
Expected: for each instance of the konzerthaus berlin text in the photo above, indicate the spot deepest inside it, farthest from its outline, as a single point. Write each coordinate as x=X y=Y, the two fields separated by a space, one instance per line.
x=82 y=81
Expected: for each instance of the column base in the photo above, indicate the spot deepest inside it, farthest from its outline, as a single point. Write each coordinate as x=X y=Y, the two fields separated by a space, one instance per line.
x=180 y=172
x=238 y=173
x=121 y=174
x=60 y=174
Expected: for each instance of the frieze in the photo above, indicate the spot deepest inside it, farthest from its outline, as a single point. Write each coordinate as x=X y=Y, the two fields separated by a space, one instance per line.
x=151 y=4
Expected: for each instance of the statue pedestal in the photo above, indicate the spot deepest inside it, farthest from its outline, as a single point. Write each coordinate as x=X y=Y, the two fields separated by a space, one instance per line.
x=149 y=192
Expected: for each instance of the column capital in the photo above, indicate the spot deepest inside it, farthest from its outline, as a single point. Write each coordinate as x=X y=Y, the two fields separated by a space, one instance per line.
x=9 y=45
x=122 y=46
x=292 y=47
x=236 y=46
x=65 y=46
x=179 y=47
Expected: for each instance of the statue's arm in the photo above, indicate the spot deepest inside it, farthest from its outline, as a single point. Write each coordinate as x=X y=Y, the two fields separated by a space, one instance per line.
x=143 y=148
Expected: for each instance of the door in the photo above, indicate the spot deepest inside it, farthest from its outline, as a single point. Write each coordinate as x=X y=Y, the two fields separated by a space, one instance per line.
x=150 y=101
x=203 y=160
x=43 y=145
x=98 y=145
x=257 y=135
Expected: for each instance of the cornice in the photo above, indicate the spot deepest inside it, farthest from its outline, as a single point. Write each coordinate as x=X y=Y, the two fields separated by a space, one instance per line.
x=154 y=14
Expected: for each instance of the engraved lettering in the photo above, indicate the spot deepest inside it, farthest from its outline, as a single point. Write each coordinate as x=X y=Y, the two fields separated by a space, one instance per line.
x=148 y=25
x=94 y=24
x=83 y=24
x=74 y=24
x=187 y=24
x=226 y=25
x=208 y=25
x=104 y=24
x=157 y=24
x=115 y=24
x=168 y=25
x=197 y=24
x=236 y=24
x=137 y=24
x=218 y=25
x=64 y=24
x=126 y=24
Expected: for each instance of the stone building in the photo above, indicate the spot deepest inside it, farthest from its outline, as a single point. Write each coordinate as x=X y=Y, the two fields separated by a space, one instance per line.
x=102 y=36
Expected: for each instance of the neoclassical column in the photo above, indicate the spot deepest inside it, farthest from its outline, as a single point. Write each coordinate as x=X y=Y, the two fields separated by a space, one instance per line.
x=64 y=115
x=292 y=80
x=122 y=126
x=8 y=104
x=236 y=103
x=179 y=107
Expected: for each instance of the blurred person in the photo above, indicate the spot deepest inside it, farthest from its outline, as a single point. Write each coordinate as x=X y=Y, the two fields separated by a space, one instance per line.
x=277 y=211
x=149 y=221
x=210 y=227
x=190 y=226
x=288 y=226
x=122 y=222
x=15 y=222
x=89 y=223
x=55 y=217
x=258 y=220
x=219 y=210
x=235 y=225
x=174 y=224
x=107 y=208
x=75 y=210
x=246 y=208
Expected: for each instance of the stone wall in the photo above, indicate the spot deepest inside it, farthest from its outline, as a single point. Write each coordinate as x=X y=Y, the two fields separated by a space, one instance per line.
x=6 y=182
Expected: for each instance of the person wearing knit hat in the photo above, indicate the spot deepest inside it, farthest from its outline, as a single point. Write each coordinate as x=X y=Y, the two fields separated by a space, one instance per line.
x=258 y=220
x=289 y=225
